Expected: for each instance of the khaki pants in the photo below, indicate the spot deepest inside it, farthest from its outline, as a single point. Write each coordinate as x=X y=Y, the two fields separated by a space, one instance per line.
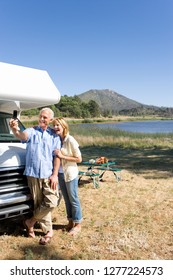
x=45 y=200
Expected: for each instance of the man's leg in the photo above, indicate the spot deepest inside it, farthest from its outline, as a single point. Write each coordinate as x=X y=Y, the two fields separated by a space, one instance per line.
x=36 y=191
x=49 y=202
x=45 y=200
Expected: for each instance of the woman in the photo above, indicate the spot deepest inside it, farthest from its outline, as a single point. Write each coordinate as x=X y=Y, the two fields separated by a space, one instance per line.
x=70 y=155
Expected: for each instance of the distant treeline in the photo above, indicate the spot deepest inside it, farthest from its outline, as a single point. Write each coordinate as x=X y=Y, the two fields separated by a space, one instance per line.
x=74 y=107
x=70 y=106
x=148 y=111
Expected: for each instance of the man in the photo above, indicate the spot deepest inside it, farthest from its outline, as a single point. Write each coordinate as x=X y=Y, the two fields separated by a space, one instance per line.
x=41 y=170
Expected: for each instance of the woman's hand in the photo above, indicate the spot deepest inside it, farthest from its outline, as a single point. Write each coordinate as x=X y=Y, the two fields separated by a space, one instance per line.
x=59 y=154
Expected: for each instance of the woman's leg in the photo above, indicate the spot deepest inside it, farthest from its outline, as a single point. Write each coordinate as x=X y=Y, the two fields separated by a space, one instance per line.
x=72 y=190
x=63 y=189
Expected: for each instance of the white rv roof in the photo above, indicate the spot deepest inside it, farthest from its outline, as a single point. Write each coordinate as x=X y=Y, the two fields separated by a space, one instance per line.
x=23 y=88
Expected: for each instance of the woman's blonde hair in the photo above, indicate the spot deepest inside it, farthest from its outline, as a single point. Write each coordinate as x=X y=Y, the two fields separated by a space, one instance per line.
x=64 y=125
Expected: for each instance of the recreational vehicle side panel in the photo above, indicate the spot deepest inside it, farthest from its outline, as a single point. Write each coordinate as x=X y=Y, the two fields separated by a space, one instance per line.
x=21 y=88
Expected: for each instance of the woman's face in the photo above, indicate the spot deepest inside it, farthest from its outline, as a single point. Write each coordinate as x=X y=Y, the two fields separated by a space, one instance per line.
x=58 y=128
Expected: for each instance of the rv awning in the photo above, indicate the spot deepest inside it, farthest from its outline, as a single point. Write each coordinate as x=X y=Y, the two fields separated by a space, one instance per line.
x=23 y=88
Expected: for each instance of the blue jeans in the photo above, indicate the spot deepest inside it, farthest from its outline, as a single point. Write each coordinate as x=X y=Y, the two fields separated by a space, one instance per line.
x=70 y=194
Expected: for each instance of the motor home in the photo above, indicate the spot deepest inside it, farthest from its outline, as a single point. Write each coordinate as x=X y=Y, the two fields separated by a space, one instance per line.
x=21 y=88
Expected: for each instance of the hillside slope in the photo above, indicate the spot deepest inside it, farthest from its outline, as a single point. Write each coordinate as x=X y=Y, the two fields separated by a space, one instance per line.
x=109 y=100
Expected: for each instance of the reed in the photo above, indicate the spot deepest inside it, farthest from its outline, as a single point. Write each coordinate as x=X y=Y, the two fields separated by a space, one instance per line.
x=89 y=135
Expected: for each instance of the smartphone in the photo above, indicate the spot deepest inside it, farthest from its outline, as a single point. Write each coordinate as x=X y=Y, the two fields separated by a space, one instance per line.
x=15 y=114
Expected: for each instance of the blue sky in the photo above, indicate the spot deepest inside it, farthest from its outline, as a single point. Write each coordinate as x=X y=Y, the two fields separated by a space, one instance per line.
x=122 y=45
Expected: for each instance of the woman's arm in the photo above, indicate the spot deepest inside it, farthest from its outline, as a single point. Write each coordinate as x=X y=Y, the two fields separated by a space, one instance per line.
x=76 y=159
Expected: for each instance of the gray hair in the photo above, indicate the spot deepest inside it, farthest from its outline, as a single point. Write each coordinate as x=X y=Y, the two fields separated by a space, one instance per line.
x=49 y=110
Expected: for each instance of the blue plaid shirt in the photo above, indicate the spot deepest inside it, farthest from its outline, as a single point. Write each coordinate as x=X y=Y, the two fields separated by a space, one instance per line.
x=39 y=152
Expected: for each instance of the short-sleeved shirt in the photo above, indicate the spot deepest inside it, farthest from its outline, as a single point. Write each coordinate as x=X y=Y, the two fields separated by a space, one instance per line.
x=39 y=152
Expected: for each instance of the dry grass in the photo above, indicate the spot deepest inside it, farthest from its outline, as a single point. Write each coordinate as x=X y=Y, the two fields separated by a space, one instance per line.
x=131 y=219
x=124 y=141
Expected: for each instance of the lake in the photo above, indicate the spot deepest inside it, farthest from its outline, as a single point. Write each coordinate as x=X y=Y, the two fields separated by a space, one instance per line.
x=158 y=126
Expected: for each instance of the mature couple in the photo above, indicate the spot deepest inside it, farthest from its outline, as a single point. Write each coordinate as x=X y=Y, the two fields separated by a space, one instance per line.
x=51 y=159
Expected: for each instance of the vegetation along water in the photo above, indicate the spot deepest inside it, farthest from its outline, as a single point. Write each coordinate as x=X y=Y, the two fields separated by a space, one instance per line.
x=107 y=136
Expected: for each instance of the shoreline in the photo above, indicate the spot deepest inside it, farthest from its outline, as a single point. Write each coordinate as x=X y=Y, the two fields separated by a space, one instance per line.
x=114 y=119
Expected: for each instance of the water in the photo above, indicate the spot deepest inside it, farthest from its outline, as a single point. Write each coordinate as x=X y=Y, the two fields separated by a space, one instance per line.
x=159 y=126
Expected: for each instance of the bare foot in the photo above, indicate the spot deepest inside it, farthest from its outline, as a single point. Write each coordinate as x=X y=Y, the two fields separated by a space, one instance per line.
x=46 y=238
x=75 y=230
x=69 y=226
x=29 y=229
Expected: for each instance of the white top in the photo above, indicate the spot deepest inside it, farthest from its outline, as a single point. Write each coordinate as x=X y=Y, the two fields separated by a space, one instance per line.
x=70 y=148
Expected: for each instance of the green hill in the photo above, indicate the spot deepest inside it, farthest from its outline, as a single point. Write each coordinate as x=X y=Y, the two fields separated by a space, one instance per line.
x=115 y=103
x=109 y=100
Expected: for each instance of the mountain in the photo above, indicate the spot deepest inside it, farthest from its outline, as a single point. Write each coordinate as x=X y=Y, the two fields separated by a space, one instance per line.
x=111 y=101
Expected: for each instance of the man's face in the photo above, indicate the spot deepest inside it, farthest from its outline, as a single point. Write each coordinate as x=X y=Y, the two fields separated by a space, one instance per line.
x=44 y=119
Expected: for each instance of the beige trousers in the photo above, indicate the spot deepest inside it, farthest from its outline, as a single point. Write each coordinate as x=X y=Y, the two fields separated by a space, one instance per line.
x=45 y=200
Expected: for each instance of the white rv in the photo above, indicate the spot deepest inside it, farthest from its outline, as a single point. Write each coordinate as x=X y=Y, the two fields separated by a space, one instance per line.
x=21 y=88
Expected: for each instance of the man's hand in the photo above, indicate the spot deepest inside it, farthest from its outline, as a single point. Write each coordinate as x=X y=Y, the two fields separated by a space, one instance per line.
x=14 y=124
x=22 y=135
x=53 y=182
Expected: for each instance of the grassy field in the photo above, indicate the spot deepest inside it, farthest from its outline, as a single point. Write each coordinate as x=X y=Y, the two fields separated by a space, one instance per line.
x=129 y=220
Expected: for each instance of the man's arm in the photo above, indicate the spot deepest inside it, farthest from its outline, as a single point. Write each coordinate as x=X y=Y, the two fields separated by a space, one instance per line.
x=15 y=129
x=54 y=177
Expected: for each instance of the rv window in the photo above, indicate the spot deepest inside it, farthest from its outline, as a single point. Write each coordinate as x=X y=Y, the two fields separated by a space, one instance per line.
x=6 y=134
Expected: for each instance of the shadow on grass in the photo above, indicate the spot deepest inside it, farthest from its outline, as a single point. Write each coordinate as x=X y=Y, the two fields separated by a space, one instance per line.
x=36 y=252
x=32 y=251
x=137 y=160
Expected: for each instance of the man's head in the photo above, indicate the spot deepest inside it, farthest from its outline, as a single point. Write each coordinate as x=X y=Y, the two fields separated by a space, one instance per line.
x=46 y=115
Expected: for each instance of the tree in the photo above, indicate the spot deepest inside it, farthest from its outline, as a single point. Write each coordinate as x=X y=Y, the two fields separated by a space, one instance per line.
x=93 y=108
x=71 y=106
